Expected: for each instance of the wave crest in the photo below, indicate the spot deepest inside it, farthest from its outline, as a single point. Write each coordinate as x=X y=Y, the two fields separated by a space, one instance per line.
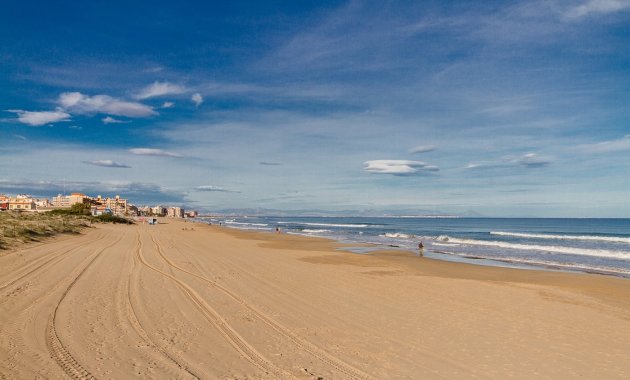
x=546 y=248
x=613 y=239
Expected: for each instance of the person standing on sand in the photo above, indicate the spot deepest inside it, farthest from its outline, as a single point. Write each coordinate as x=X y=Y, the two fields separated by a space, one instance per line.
x=420 y=249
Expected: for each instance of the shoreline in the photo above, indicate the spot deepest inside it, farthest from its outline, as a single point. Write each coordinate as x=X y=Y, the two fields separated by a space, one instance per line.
x=444 y=268
x=372 y=247
x=184 y=300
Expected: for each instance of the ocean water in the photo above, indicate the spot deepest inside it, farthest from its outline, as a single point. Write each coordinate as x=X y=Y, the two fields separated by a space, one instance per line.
x=587 y=245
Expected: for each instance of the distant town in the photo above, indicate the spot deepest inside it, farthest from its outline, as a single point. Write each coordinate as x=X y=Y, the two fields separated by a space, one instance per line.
x=98 y=205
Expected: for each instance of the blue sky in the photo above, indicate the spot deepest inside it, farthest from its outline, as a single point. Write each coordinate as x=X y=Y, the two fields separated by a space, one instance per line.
x=501 y=108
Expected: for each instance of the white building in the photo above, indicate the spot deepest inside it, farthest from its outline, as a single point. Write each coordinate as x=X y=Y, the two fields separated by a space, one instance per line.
x=175 y=212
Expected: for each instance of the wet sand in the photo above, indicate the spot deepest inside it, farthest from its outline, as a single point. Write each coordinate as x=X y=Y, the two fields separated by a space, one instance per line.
x=183 y=300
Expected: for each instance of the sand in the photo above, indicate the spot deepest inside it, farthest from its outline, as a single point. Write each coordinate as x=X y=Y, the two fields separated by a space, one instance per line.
x=182 y=300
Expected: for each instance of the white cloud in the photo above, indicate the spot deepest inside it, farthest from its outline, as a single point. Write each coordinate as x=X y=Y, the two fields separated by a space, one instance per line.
x=528 y=160
x=422 y=149
x=111 y=120
x=77 y=102
x=106 y=163
x=197 y=99
x=38 y=118
x=398 y=167
x=167 y=105
x=597 y=7
x=153 y=152
x=20 y=137
x=215 y=188
x=160 y=89
x=619 y=145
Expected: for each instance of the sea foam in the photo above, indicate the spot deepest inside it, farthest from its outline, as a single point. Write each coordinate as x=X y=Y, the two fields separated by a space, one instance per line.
x=613 y=239
x=328 y=224
x=399 y=235
x=543 y=248
x=545 y=263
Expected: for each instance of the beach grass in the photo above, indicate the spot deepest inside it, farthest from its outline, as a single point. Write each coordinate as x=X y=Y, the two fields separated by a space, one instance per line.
x=22 y=227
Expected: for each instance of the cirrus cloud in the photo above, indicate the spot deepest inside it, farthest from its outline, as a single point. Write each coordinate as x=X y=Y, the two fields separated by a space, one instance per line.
x=160 y=89
x=111 y=120
x=153 y=152
x=596 y=7
x=399 y=167
x=422 y=149
x=619 y=145
x=107 y=164
x=213 y=188
x=528 y=160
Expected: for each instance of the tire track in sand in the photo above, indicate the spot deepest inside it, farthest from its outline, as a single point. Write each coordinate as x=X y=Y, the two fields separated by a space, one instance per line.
x=132 y=317
x=57 y=349
x=20 y=325
x=38 y=264
x=228 y=333
x=305 y=345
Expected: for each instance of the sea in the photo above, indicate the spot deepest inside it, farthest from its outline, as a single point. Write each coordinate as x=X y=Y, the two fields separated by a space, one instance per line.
x=584 y=245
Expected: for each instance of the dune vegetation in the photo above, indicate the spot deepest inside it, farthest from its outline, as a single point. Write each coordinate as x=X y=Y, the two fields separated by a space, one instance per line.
x=22 y=227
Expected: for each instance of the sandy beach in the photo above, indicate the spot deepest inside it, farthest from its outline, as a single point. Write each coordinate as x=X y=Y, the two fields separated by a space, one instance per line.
x=183 y=300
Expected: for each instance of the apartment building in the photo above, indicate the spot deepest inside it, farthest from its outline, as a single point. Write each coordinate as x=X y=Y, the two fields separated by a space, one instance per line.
x=158 y=210
x=65 y=201
x=22 y=203
x=175 y=212
x=117 y=205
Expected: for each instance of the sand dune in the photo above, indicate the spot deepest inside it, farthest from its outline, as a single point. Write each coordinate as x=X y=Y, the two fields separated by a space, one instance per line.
x=179 y=300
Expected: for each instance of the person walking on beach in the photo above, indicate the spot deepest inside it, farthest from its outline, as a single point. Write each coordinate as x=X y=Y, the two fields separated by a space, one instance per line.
x=420 y=249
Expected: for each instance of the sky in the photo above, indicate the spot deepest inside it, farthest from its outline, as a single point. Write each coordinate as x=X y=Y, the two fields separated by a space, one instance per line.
x=505 y=109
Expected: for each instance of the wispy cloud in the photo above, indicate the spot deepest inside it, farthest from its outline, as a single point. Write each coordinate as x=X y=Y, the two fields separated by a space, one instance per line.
x=533 y=160
x=197 y=99
x=422 y=149
x=20 y=137
x=160 y=89
x=213 y=188
x=107 y=164
x=269 y=163
x=619 y=145
x=77 y=102
x=111 y=120
x=39 y=118
x=167 y=105
x=153 y=152
x=594 y=7
x=528 y=160
x=398 y=167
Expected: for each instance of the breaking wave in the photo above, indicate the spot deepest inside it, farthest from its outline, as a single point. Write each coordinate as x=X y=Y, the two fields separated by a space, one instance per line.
x=328 y=224
x=612 y=239
x=541 y=248
x=399 y=235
